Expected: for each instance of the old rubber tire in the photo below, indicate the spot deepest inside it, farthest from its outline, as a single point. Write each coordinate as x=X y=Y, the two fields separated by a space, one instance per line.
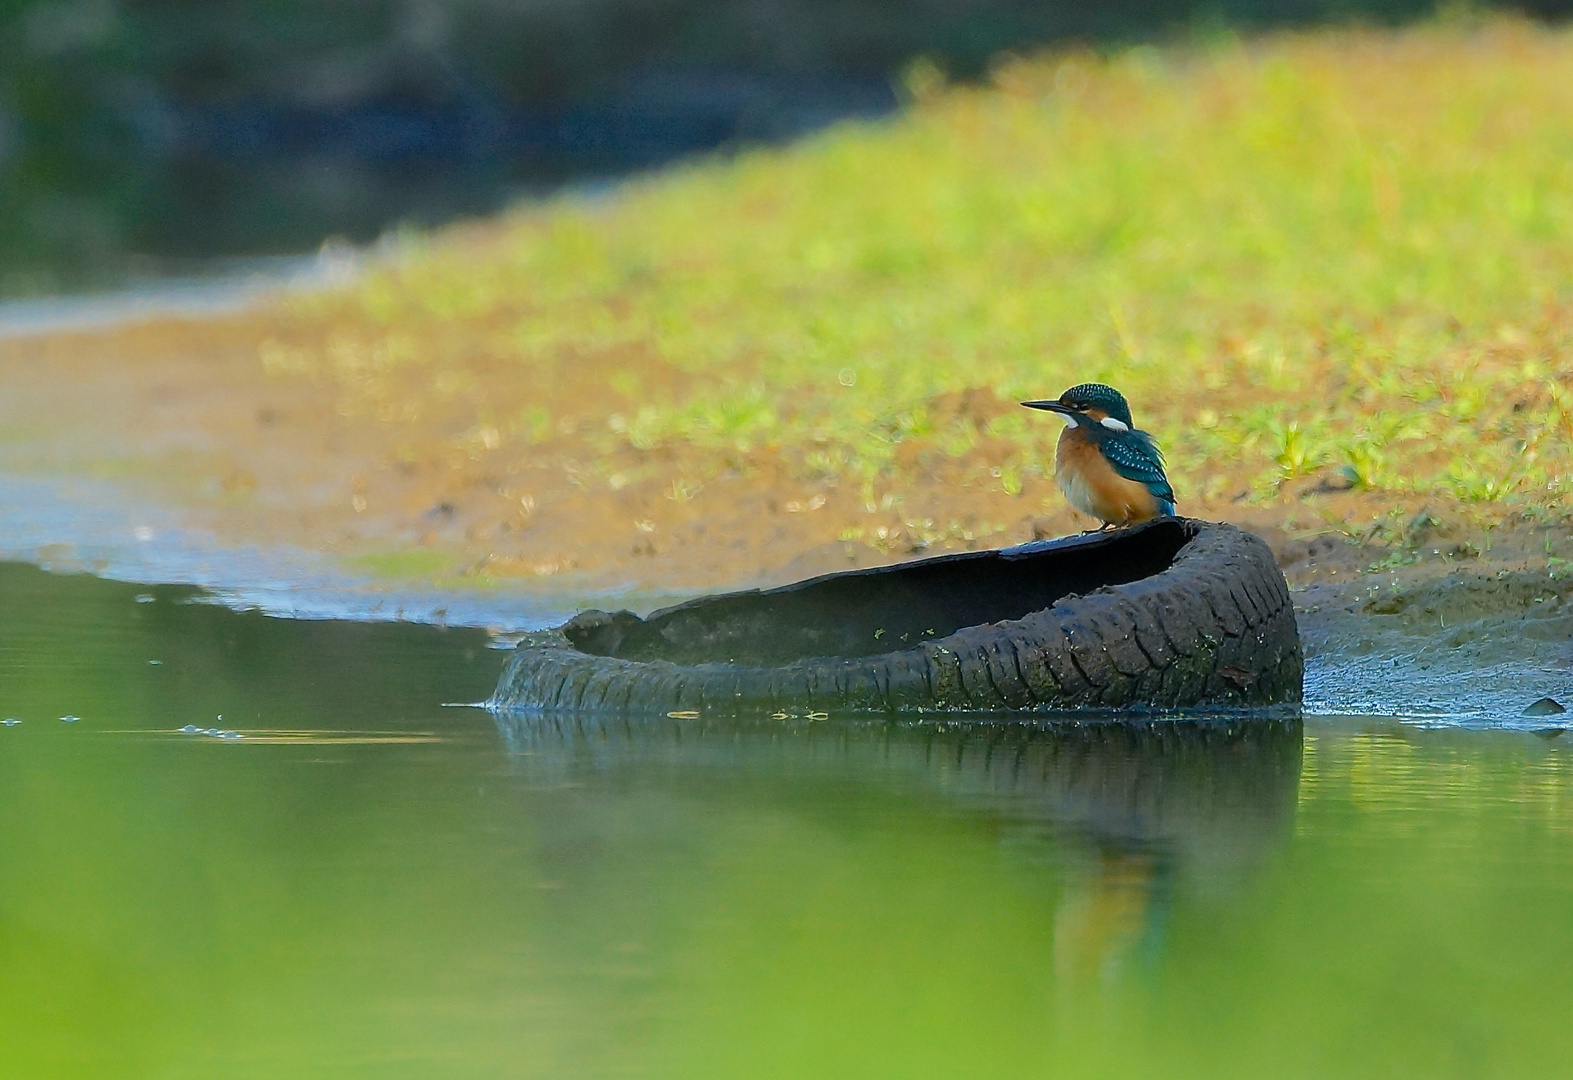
x=1214 y=628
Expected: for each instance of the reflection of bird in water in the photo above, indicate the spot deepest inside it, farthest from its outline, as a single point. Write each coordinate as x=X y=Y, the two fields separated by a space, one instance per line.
x=1107 y=468
x=1114 y=914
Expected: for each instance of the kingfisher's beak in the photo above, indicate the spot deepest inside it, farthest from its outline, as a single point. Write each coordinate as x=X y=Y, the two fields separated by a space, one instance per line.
x=1051 y=406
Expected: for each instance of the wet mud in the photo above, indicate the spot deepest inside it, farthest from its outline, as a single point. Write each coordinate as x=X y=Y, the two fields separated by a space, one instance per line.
x=1439 y=643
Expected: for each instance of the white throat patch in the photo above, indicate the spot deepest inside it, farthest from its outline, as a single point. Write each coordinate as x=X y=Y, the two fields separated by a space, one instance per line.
x=1114 y=425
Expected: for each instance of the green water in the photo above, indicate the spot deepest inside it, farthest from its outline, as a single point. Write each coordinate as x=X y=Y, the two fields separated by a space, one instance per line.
x=371 y=885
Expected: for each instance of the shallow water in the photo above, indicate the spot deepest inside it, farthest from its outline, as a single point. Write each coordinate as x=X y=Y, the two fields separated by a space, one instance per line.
x=368 y=884
x=86 y=525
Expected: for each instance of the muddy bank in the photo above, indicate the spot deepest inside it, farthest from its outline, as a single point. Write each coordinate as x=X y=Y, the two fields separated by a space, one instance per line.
x=194 y=415
x=232 y=476
x=1439 y=638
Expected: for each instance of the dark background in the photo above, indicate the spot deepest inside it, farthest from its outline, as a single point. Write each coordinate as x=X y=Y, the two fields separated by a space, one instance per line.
x=137 y=135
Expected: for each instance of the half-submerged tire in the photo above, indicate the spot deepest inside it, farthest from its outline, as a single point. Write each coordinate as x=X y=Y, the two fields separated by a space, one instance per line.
x=1171 y=614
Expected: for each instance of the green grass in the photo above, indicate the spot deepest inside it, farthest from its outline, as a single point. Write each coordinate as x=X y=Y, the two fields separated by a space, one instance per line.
x=1341 y=254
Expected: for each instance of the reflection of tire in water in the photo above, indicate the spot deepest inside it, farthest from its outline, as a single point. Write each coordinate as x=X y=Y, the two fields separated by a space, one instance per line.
x=1134 y=811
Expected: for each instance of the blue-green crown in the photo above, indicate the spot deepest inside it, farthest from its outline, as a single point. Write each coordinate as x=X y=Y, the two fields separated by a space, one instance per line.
x=1095 y=395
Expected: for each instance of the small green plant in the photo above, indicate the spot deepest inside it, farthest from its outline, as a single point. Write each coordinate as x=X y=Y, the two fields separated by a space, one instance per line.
x=1363 y=463
x=1296 y=456
x=1392 y=561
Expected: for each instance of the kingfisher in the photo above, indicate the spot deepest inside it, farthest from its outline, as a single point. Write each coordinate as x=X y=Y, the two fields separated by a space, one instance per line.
x=1106 y=467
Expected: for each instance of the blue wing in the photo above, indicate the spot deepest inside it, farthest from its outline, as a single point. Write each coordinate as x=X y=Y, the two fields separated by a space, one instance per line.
x=1136 y=457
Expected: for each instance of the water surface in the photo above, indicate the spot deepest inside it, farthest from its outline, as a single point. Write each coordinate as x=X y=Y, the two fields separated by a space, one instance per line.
x=369 y=884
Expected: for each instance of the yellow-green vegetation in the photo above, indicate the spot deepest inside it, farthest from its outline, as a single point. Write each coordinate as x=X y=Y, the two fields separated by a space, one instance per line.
x=1342 y=254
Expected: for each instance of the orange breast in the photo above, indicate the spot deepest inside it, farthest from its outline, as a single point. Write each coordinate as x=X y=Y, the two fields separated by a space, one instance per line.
x=1092 y=486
